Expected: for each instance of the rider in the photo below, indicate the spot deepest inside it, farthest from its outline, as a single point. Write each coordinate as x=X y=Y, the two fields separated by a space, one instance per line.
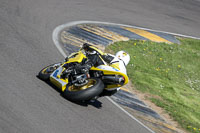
x=96 y=58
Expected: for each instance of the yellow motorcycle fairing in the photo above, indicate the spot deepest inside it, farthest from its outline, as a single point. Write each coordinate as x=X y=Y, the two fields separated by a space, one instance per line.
x=76 y=57
x=56 y=79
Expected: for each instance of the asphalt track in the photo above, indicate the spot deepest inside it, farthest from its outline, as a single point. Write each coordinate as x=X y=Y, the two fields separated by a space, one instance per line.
x=29 y=105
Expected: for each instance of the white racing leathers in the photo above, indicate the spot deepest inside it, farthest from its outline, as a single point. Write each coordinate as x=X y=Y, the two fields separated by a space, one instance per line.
x=115 y=65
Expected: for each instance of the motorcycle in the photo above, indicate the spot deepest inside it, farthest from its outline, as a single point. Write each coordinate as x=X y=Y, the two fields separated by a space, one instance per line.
x=82 y=85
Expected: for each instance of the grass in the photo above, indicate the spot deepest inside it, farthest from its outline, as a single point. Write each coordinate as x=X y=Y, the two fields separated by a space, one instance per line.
x=170 y=71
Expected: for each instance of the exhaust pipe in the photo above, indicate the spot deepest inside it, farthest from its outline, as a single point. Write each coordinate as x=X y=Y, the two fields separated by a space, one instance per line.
x=113 y=79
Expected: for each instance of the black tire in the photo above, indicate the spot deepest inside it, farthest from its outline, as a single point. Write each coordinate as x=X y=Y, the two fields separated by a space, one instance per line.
x=44 y=75
x=86 y=94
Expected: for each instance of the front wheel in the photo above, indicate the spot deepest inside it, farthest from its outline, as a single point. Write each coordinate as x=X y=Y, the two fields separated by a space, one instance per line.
x=45 y=73
x=93 y=88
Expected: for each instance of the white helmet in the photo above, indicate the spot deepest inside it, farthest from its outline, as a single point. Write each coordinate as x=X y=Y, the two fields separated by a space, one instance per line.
x=124 y=56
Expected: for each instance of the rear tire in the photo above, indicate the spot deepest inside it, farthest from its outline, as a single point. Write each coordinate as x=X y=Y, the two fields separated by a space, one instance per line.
x=85 y=94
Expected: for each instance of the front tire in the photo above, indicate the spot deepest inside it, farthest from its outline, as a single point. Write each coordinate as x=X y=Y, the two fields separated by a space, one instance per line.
x=44 y=74
x=93 y=88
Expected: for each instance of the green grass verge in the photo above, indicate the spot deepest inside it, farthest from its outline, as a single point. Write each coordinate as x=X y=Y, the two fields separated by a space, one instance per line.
x=170 y=71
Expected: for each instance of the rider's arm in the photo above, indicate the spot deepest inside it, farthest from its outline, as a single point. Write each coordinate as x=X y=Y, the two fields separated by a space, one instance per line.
x=108 y=58
x=93 y=55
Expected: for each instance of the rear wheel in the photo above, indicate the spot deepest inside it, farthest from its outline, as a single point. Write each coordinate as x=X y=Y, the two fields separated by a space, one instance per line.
x=82 y=93
x=45 y=73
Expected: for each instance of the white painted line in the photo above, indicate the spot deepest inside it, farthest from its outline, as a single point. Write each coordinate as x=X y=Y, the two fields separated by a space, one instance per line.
x=55 y=35
x=129 y=114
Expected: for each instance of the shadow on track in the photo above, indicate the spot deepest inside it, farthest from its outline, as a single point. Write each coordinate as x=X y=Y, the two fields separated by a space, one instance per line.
x=96 y=103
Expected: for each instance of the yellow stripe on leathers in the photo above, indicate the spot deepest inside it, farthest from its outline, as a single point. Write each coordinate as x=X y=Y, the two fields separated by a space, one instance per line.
x=115 y=65
x=147 y=35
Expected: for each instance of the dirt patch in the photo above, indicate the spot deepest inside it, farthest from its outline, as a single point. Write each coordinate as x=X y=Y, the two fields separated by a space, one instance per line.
x=145 y=97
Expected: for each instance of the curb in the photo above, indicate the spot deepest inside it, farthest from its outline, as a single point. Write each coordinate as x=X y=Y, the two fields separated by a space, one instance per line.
x=69 y=37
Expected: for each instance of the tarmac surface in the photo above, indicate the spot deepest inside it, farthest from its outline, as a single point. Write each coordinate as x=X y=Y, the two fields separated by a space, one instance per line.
x=28 y=104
